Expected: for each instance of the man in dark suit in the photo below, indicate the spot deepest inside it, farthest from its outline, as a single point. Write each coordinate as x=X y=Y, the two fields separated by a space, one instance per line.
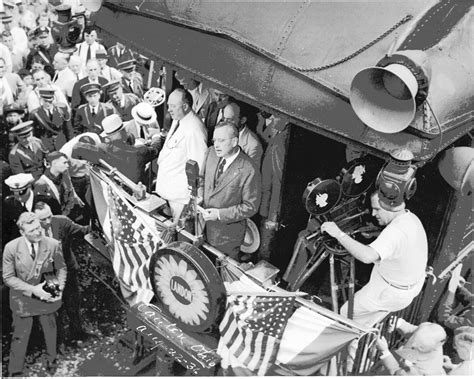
x=119 y=53
x=121 y=102
x=132 y=81
x=63 y=229
x=215 y=112
x=52 y=122
x=28 y=154
x=55 y=187
x=44 y=52
x=231 y=191
x=89 y=116
x=93 y=70
x=25 y=261
x=120 y=150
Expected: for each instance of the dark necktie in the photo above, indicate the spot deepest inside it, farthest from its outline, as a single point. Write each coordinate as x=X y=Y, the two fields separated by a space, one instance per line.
x=88 y=55
x=50 y=112
x=33 y=253
x=93 y=112
x=220 y=169
x=143 y=132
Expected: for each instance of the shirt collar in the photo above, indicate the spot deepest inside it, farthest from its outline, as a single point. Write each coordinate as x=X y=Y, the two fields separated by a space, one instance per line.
x=229 y=160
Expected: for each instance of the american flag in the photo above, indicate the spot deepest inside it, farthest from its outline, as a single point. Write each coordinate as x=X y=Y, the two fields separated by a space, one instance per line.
x=251 y=330
x=134 y=243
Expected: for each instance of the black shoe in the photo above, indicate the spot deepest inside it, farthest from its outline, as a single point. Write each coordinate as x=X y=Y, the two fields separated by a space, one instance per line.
x=51 y=367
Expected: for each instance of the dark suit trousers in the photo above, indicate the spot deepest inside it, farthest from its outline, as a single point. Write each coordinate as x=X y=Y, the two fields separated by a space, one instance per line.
x=21 y=335
x=71 y=305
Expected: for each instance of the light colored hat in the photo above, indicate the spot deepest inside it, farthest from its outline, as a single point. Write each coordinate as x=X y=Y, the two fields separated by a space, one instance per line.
x=19 y=181
x=251 y=239
x=112 y=124
x=22 y=128
x=144 y=113
x=425 y=344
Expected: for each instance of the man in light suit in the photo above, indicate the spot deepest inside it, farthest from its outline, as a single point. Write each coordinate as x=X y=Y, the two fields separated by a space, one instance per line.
x=88 y=117
x=25 y=260
x=248 y=140
x=200 y=94
x=186 y=140
x=231 y=191
x=64 y=78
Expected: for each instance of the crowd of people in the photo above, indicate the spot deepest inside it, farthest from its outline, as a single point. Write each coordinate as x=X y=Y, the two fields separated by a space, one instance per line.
x=62 y=110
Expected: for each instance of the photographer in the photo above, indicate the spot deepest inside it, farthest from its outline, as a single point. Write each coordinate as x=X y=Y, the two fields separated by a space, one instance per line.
x=27 y=261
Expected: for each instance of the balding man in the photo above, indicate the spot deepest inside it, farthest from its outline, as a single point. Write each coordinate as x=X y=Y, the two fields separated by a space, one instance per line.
x=186 y=140
x=93 y=70
x=248 y=140
x=231 y=190
x=64 y=77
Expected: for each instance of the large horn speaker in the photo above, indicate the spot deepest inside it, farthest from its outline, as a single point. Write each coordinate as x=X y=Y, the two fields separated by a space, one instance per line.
x=456 y=166
x=385 y=97
x=92 y=5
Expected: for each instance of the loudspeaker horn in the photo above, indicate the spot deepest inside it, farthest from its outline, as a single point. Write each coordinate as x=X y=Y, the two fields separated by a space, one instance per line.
x=456 y=166
x=92 y=5
x=384 y=97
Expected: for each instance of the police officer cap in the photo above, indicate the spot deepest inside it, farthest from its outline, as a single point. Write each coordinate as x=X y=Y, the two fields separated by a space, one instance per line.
x=22 y=128
x=46 y=93
x=127 y=65
x=40 y=30
x=89 y=88
x=19 y=181
x=112 y=87
x=13 y=108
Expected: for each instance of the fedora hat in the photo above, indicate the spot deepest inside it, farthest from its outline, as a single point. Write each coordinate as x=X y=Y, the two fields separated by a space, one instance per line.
x=112 y=124
x=252 y=238
x=144 y=113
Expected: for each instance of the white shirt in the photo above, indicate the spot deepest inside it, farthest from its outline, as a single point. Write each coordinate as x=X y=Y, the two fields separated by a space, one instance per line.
x=35 y=244
x=403 y=249
x=228 y=161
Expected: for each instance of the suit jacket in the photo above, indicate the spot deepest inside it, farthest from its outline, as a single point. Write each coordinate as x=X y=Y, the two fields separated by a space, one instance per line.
x=114 y=57
x=62 y=199
x=251 y=145
x=77 y=97
x=130 y=160
x=46 y=55
x=65 y=80
x=237 y=196
x=211 y=120
x=21 y=273
x=132 y=129
x=130 y=100
x=48 y=129
x=201 y=101
x=28 y=161
x=11 y=210
x=84 y=121
x=188 y=142
x=133 y=85
x=65 y=230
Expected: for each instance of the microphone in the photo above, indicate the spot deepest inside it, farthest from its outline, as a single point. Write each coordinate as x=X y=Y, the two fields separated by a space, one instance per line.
x=192 y=174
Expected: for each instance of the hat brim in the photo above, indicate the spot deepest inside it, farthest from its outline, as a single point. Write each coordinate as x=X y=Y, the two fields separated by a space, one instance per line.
x=252 y=238
x=137 y=117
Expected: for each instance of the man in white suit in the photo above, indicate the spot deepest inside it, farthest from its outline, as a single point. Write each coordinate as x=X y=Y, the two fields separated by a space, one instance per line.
x=185 y=140
x=64 y=77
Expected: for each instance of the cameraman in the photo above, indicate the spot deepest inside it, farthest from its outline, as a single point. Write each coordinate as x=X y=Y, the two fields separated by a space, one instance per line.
x=25 y=260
